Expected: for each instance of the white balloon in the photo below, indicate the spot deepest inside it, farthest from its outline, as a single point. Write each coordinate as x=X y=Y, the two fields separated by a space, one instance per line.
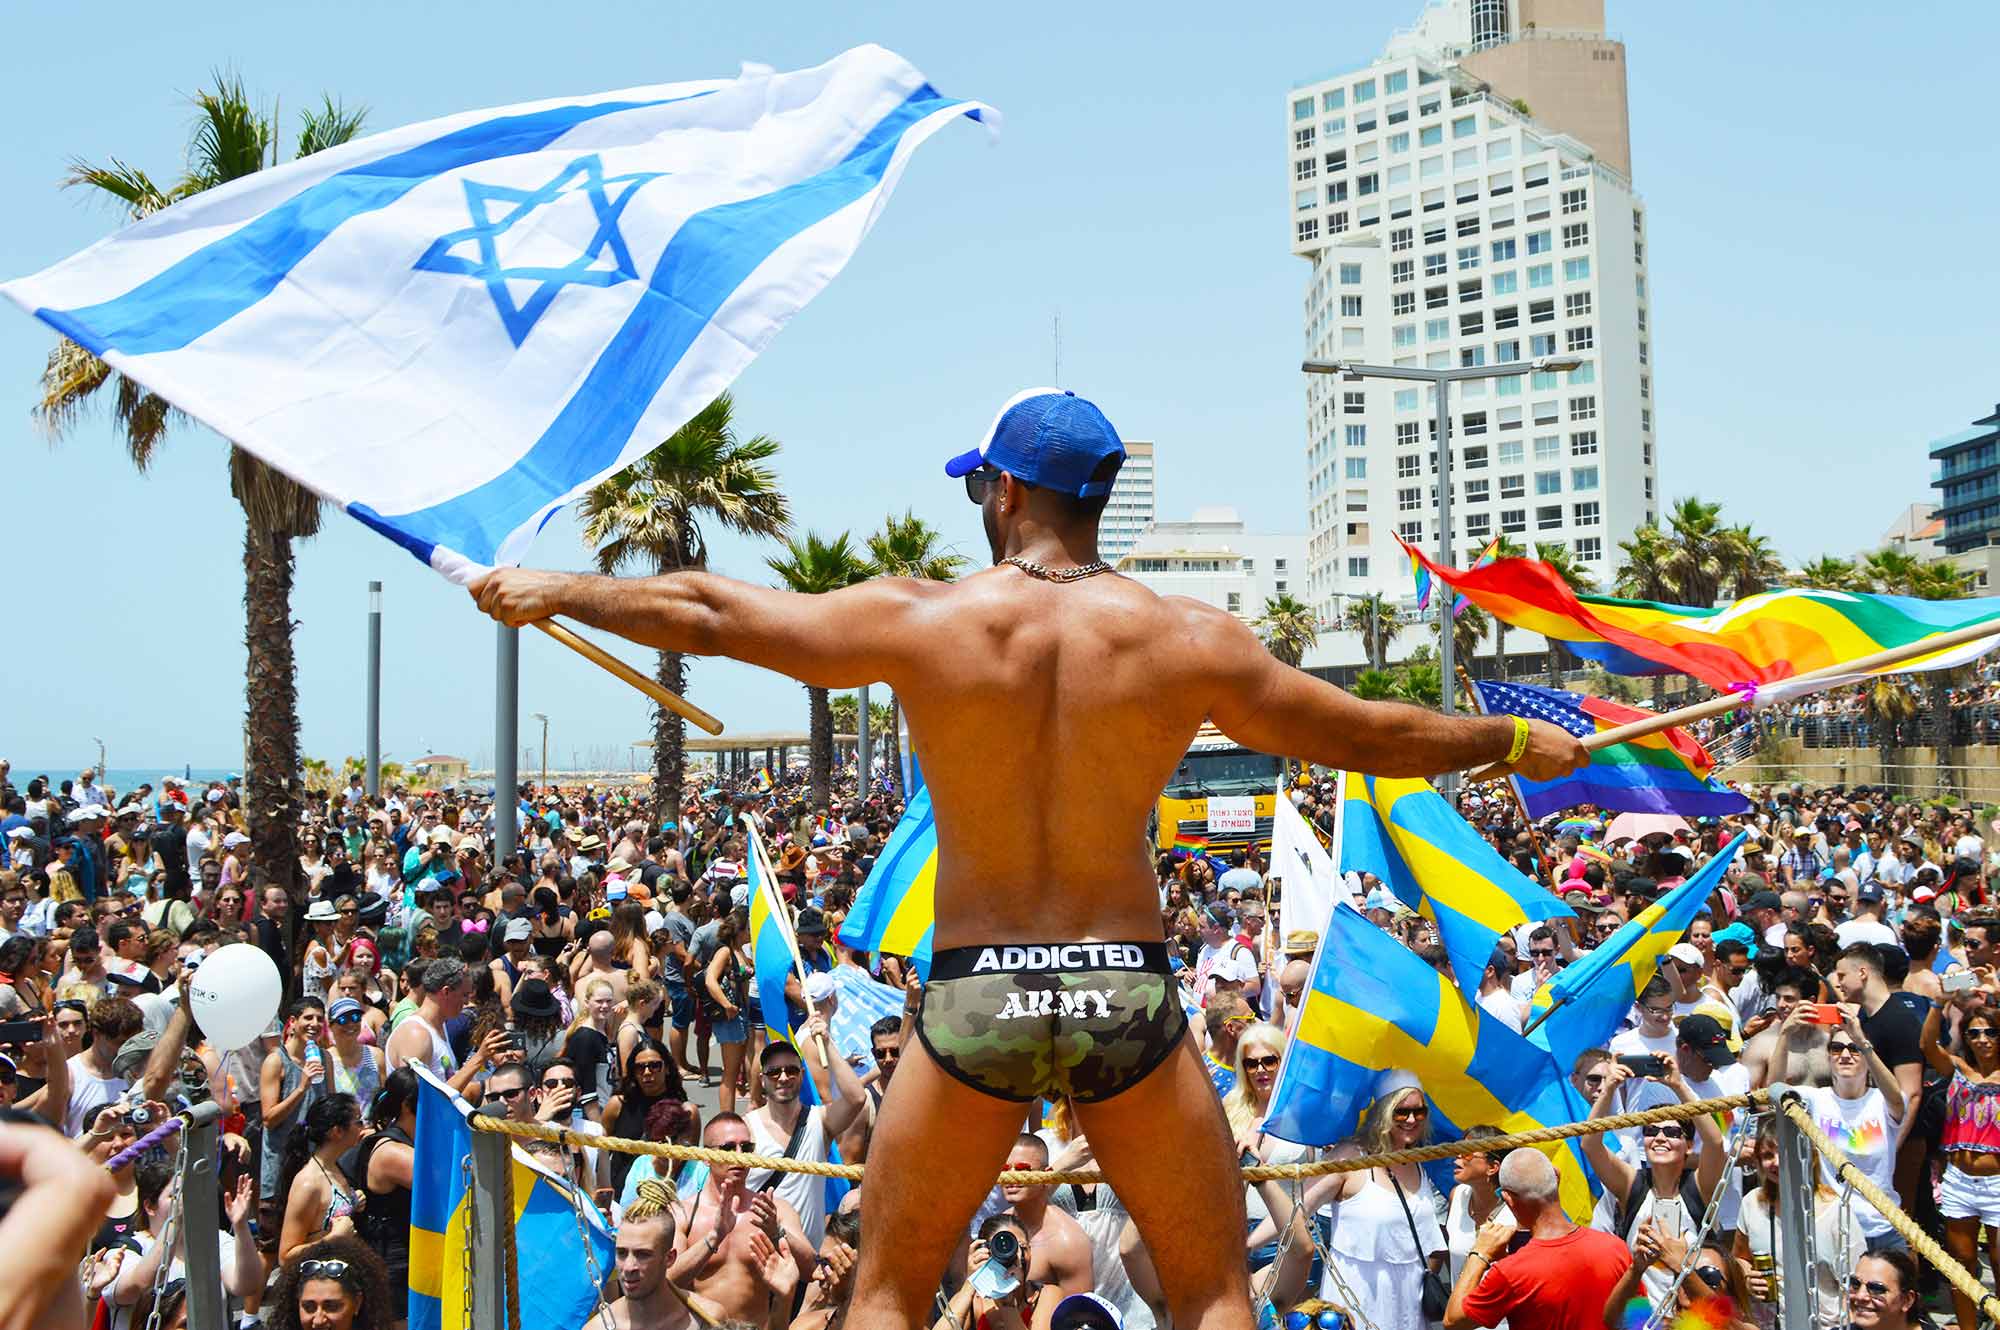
x=235 y=995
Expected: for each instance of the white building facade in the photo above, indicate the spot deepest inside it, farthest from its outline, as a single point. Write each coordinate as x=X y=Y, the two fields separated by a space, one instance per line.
x=1130 y=509
x=1214 y=559
x=1446 y=227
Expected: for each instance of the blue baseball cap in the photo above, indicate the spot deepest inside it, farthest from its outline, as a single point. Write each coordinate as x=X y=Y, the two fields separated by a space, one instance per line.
x=1049 y=438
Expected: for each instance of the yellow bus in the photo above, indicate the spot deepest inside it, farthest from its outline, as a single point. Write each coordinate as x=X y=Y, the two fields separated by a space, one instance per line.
x=1221 y=796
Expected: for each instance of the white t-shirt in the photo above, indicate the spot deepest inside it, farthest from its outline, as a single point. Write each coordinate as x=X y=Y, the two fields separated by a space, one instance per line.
x=1459 y=1230
x=87 y=1093
x=1864 y=1130
x=1725 y=1081
x=1503 y=1008
x=1232 y=963
x=1866 y=930
x=1970 y=847
x=1636 y=1095
x=806 y=1193
x=122 y=1318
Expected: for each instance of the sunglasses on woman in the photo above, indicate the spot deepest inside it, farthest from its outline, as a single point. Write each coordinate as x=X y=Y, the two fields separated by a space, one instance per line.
x=323 y=1270
x=1711 y=1275
x=1667 y=1129
x=1327 y=1318
x=1875 y=1288
x=1261 y=1064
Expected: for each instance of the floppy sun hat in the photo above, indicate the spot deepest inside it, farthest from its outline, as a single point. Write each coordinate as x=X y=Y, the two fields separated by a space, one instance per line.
x=1049 y=438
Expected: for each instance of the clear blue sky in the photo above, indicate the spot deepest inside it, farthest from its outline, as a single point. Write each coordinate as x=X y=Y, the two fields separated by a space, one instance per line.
x=1821 y=197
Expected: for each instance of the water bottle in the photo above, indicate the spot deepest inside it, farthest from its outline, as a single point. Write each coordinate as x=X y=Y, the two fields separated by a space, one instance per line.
x=312 y=1051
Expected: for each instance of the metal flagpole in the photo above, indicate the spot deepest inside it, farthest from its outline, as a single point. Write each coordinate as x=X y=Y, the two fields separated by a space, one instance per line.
x=492 y=1205
x=374 y=688
x=1796 y=1185
x=862 y=743
x=506 y=740
x=207 y=1308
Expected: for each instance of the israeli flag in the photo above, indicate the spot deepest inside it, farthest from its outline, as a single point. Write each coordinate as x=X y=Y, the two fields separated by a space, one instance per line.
x=454 y=328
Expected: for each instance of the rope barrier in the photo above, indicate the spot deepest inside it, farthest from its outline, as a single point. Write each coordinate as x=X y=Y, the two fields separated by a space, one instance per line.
x=1035 y=1177
x=1920 y=1242
x=144 y=1143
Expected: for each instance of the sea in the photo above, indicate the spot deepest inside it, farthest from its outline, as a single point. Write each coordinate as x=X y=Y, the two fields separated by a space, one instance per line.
x=118 y=779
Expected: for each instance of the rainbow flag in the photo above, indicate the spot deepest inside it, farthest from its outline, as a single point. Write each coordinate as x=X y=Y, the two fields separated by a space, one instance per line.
x=1765 y=638
x=1422 y=575
x=1668 y=772
x=1190 y=842
x=1486 y=556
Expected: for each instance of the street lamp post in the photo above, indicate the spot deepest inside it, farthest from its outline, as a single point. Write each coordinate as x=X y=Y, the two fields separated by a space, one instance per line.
x=545 y=749
x=1441 y=381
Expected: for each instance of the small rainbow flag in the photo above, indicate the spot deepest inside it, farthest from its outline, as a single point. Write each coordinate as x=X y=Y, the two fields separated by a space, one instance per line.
x=1190 y=842
x=1486 y=556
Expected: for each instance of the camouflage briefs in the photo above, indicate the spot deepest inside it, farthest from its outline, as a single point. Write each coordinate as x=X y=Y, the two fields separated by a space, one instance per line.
x=1086 y=1019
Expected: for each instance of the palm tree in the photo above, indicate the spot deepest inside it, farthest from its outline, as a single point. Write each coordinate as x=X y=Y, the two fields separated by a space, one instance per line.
x=652 y=515
x=908 y=546
x=1830 y=573
x=1289 y=628
x=813 y=566
x=1892 y=572
x=1942 y=581
x=1580 y=580
x=1468 y=630
x=1644 y=576
x=1695 y=554
x=1750 y=562
x=1503 y=548
x=1377 y=622
x=231 y=138
x=1888 y=701
x=1374 y=686
x=1420 y=683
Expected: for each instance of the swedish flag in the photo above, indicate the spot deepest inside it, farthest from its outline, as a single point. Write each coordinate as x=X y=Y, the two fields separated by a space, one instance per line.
x=1373 y=1010
x=1593 y=996
x=896 y=908
x=1403 y=832
x=553 y=1263
x=774 y=954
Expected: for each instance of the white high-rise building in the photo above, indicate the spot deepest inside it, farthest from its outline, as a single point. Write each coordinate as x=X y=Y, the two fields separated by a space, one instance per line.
x=1212 y=557
x=1129 y=511
x=1466 y=200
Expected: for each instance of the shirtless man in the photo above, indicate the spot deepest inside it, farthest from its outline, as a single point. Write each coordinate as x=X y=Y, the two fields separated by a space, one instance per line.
x=1805 y=1049
x=1058 y=1249
x=644 y=1253
x=1043 y=674
x=736 y=1244
x=595 y=962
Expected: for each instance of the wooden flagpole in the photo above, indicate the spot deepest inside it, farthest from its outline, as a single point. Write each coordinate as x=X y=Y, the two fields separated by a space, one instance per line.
x=1830 y=676
x=604 y=660
x=774 y=902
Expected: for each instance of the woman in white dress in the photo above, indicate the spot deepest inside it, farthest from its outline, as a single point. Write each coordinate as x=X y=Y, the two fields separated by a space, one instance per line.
x=1385 y=1230
x=1475 y=1200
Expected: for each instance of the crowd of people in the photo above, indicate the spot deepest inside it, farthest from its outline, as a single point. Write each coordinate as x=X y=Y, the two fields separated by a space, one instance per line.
x=593 y=975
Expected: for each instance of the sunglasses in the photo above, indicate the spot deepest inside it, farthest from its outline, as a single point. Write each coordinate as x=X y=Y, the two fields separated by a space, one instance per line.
x=1875 y=1288
x=1326 y=1319
x=1982 y=1032
x=742 y=1147
x=557 y=1083
x=782 y=1073
x=977 y=481
x=1711 y=1275
x=1836 y=1049
x=1265 y=1064
x=644 y=1067
x=1540 y=953
x=888 y=1054
x=514 y=1093
x=1415 y=1114
x=1667 y=1129
x=323 y=1270
x=352 y=1018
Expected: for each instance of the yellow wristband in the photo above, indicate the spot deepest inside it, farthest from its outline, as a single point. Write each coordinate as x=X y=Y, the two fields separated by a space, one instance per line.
x=1520 y=744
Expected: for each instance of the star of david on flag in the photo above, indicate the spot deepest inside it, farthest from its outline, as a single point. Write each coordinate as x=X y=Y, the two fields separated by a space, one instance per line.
x=454 y=328
x=583 y=178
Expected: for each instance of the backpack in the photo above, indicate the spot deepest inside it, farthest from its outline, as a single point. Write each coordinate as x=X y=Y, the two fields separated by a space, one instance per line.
x=1634 y=1204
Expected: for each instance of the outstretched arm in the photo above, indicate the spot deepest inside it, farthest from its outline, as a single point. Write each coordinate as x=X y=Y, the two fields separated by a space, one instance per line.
x=836 y=640
x=1267 y=705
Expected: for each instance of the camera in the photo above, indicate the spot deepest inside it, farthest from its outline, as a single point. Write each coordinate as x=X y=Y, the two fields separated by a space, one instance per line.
x=1645 y=1064
x=139 y=1116
x=1004 y=1247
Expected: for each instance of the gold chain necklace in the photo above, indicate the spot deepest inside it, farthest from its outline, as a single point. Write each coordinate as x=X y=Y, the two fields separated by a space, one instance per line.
x=1043 y=573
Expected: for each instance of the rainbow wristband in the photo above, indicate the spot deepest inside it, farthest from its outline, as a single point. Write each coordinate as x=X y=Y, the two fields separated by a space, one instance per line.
x=1520 y=744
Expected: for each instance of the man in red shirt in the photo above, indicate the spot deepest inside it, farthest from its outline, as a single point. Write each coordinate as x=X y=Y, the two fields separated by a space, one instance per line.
x=1558 y=1281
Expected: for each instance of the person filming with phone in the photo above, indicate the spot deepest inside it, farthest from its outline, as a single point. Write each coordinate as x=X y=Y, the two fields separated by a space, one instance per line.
x=1863 y=1109
x=1680 y=1164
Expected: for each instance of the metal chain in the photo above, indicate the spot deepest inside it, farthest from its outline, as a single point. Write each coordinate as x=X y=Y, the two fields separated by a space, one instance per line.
x=169 y=1234
x=1043 y=573
x=471 y=1241
x=580 y=1197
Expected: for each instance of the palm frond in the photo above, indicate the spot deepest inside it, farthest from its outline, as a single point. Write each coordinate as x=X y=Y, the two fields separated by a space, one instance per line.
x=70 y=378
x=230 y=139
x=143 y=417
x=331 y=124
x=273 y=501
x=122 y=181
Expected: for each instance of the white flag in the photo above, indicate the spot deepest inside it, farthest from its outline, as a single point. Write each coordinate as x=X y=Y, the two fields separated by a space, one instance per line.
x=453 y=328
x=1297 y=859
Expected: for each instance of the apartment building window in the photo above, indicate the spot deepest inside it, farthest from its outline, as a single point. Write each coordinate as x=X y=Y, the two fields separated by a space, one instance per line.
x=1582 y=478
x=1435 y=330
x=1365 y=153
x=1576 y=304
x=1305 y=168
x=1356 y=436
x=1478 y=491
x=1549 y=517
x=1334 y=100
x=1507 y=417
x=1501 y=217
x=1585 y=514
x=1465 y=126
x=1642 y=318
x=1542 y=344
x=1364 y=185
x=1437 y=297
x=1471 y=357
x=1302 y=109
x=1590 y=549
x=1400 y=239
x=1305 y=201
x=1499 y=150
x=1646 y=454
x=1535 y=176
x=1472 y=422
x=1645 y=386
x=1336 y=222
x=1507 y=316
x=1513 y=487
x=1499 y=183
x=1309 y=229
x=1402 y=270
x=1471 y=290
x=1464 y=159
x=1357 y=502
x=1649 y=487
x=1576 y=235
x=1646 y=420
x=1538 y=243
x=1406 y=400
x=1583 y=443
x=1505 y=283
x=1397 y=143
x=1575 y=200
x=1509 y=452
x=1505 y=350
x=1583 y=408
x=1350 y=274
x=1409 y=467
x=1644 y=352
x=1350 y=307
x=1541 y=274
x=1357 y=468
x=1430 y=136
x=1474 y=458
x=1403 y=302
x=1434 y=233
x=1435 y=264
x=1396 y=82
x=1432 y=104
x=1398 y=114
x=1336 y=160
x=1409 y=500
x=1579 y=339
x=1467 y=225
x=1302 y=139
x=1364 y=122
x=1548 y=482
x=1402 y=335
x=1513 y=521
x=1333 y=127
x=1468 y=257
x=1235 y=601
x=1353 y=404
x=1479 y=524
x=1584 y=373
x=1639 y=256
x=1547 y=412
x=1336 y=191
x=1413 y=532
x=1364 y=91
x=1471 y=325
x=1541 y=311
x=1548 y=447
x=1503 y=251
x=1576 y=270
